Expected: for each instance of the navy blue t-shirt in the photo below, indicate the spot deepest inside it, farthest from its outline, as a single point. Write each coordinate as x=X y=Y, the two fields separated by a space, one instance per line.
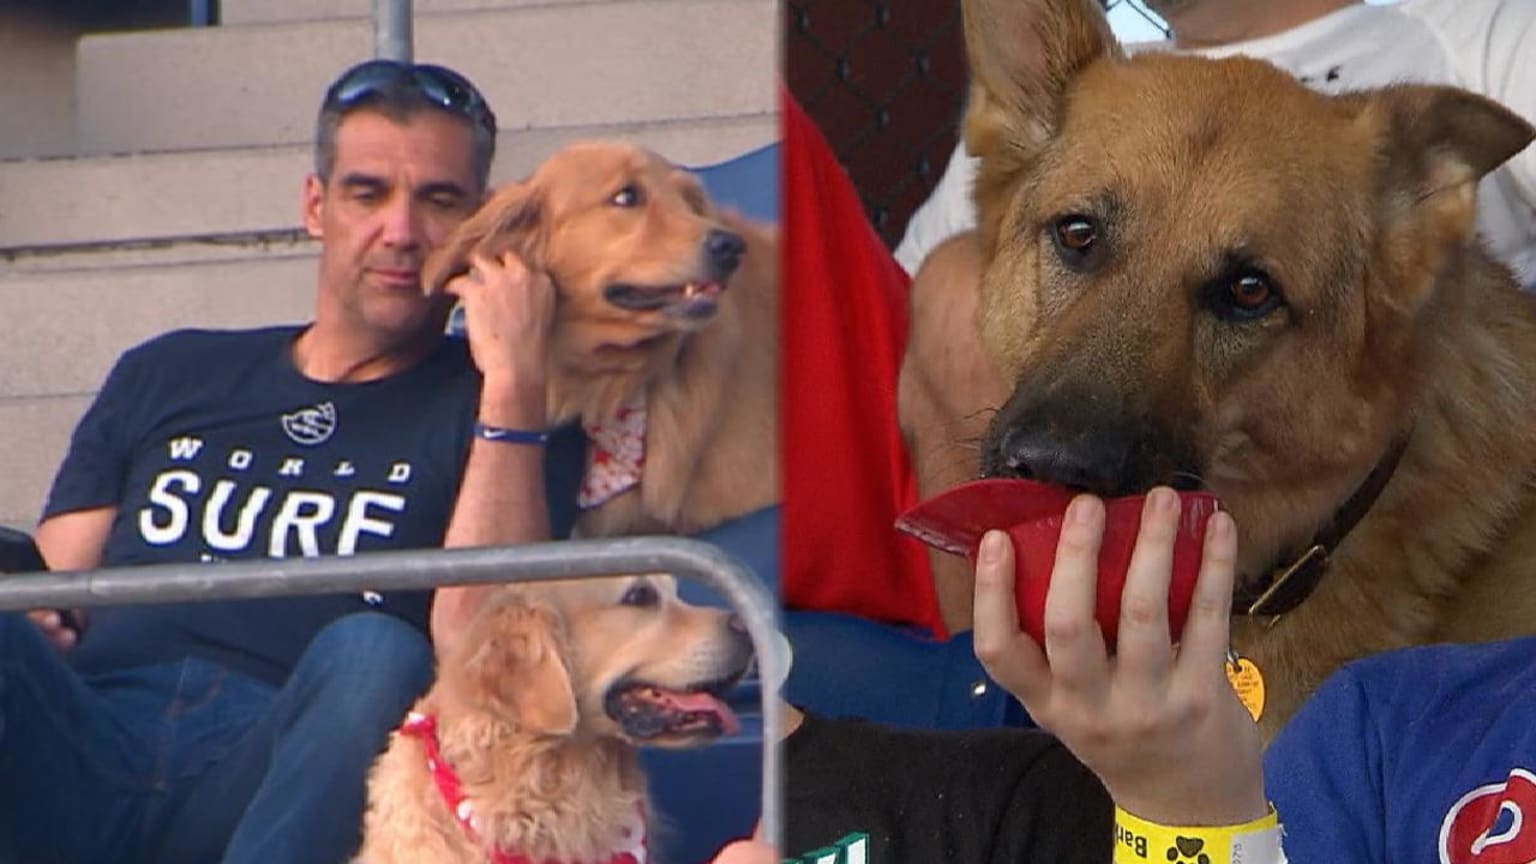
x=214 y=447
x=1418 y=754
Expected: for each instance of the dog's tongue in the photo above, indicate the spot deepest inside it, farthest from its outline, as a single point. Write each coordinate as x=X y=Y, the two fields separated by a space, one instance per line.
x=703 y=289
x=702 y=703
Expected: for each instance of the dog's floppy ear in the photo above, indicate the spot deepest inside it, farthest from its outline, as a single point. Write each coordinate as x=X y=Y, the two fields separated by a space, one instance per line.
x=518 y=667
x=512 y=220
x=1024 y=55
x=1436 y=143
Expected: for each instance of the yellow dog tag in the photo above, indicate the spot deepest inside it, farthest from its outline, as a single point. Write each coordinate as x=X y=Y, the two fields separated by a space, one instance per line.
x=1248 y=682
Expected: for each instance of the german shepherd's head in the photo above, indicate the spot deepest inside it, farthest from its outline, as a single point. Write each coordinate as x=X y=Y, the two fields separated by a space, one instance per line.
x=1203 y=273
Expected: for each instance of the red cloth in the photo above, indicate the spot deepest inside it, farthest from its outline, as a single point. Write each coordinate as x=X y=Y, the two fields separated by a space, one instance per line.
x=847 y=474
x=423 y=727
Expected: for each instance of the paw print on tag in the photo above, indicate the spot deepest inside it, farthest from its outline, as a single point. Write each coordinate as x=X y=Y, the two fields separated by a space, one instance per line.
x=1188 y=850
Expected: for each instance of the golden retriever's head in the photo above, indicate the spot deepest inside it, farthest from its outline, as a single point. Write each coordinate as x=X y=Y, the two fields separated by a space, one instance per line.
x=631 y=242
x=1203 y=272
x=620 y=657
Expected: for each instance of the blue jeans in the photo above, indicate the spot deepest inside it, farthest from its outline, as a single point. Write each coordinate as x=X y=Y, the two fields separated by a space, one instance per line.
x=191 y=763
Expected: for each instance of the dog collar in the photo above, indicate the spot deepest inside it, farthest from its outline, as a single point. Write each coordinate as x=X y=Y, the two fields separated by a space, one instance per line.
x=423 y=727
x=616 y=454
x=1287 y=587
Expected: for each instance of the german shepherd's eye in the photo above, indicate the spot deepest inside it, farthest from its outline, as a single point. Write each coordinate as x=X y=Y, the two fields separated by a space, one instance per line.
x=1244 y=294
x=642 y=594
x=1076 y=238
x=629 y=196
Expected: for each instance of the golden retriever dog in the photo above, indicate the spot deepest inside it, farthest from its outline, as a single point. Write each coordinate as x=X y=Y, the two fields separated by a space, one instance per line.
x=667 y=310
x=1202 y=273
x=535 y=726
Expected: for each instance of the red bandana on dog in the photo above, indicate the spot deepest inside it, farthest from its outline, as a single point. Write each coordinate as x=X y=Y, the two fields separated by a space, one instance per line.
x=424 y=728
x=616 y=454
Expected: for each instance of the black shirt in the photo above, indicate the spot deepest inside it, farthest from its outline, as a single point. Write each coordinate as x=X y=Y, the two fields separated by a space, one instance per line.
x=212 y=447
x=860 y=792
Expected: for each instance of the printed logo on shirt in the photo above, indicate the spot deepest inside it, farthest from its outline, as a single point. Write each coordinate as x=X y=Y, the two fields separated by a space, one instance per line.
x=241 y=509
x=853 y=849
x=1490 y=824
x=311 y=426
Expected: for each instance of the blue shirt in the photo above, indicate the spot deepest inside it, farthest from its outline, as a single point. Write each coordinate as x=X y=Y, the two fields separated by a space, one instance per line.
x=1419 y=755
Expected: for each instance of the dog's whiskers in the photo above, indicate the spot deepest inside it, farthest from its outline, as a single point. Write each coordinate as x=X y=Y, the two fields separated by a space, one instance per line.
x=1186 y=481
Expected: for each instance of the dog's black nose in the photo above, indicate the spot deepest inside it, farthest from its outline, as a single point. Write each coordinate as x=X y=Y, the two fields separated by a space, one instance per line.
x=723 y=251
x=1100 y=463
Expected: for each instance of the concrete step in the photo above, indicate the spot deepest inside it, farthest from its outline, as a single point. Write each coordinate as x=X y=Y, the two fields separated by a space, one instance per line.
x=67 y=328
x=566 y=65
x=237 y=12
x=111 y=199
x=37 y=66
x=34 y=434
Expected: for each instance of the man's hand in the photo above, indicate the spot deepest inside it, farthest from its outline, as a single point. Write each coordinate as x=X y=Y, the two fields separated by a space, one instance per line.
x=58 y=631
x=508 y=310
x=1159 y=723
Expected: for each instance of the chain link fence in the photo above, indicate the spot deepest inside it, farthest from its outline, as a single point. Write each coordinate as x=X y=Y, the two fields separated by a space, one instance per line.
x=885 y=82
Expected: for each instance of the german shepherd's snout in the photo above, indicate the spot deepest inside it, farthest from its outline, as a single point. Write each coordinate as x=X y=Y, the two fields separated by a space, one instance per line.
x=1087 y=441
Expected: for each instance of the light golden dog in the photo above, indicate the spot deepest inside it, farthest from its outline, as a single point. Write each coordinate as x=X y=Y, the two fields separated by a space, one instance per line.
x=537 y=722
x=1202 y=273
x=664 y=304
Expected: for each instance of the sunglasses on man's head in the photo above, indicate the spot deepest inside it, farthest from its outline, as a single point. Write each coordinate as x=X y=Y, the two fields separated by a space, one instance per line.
x=440 y=86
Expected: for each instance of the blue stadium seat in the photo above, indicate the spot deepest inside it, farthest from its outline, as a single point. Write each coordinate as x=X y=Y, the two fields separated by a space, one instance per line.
x=711 y=796
x=748 y=183
x=852 y=667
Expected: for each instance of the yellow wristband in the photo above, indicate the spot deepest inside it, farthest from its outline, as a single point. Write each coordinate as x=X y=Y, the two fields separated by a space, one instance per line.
x=1138 y=841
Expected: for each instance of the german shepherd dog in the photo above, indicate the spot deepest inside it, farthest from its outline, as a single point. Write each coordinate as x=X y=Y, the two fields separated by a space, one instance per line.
x=1202 y=273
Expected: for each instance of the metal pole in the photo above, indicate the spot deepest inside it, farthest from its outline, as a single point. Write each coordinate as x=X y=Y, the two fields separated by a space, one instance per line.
x=416 y=569
x=200 y=13
x=392 y=37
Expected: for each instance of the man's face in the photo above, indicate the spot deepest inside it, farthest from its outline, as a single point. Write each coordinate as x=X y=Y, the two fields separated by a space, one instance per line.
x=395 y=191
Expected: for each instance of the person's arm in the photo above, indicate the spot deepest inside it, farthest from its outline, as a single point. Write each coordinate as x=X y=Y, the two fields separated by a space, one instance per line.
x=83 y=500
x=507 y=312
x=1324 y=774
x=1159 y=725
x=70 y=541
x=947 y=212
x=76 y=540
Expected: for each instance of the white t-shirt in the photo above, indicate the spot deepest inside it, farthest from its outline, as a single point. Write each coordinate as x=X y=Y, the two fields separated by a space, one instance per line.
x=1486 y=46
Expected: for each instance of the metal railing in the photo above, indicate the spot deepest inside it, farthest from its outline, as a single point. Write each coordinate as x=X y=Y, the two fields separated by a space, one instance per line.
x=417 y=569
x=392 y=35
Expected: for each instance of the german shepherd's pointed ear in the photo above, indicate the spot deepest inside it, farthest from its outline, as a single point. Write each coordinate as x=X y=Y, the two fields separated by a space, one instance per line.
x=516 y=667
x=1436 y=143
x=512 y=220
x=1024 y=55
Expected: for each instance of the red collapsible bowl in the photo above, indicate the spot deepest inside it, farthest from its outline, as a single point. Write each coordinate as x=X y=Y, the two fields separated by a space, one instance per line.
x=1032 y=514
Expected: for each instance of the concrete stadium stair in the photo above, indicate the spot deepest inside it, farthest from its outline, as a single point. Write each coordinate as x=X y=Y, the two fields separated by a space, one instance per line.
x=625 y=62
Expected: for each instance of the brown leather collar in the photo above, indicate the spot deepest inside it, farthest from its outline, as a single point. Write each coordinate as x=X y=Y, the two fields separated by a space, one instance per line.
x=1288 y=586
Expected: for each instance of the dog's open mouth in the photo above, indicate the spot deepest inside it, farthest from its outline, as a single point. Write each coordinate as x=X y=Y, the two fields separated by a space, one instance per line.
x=688 y=300
x=646 y=711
